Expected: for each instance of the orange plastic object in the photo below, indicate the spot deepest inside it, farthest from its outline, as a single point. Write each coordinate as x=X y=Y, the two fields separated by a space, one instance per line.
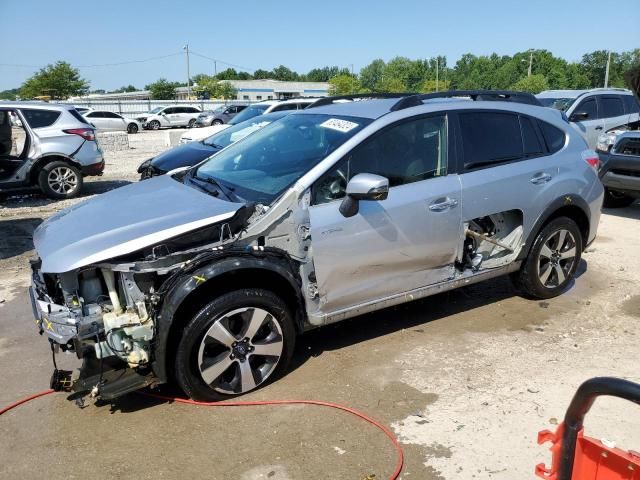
x=593 y=460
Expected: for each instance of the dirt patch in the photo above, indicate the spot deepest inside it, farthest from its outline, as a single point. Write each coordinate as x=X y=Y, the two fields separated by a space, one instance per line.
x=632 y=306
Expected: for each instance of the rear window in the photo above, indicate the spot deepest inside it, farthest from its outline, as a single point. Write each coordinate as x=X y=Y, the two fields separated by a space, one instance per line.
x=553 y=136
x=40 y=118
x=611 y=107
x=78 y=117
x=489 y=138
x=530 y=139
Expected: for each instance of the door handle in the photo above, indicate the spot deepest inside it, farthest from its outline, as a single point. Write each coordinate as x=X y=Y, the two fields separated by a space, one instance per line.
x=540 y=178
x=598 y=128
x=441 y=205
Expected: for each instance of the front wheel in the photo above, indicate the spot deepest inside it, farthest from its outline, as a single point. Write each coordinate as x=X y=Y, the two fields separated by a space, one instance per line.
x=613 y=199
x=217 y=121
x=154 y=125
x=553 y=259
x=192 y=122
x=235 y=344
x=132 y=128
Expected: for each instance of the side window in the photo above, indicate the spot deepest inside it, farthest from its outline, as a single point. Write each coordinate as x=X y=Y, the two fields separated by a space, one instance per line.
x=93 y=115
x=404 y=153
x=110 y=115
x=282 y=108
x=590 y=107
x=611 y=106
x=40 y=118
x=553 y=136
x=530 y=140
x=191 y=110
x=631 y=104
x=489 y=137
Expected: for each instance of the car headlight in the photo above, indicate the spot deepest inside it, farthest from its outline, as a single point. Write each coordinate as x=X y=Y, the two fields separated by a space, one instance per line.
x=144 y=165
x=605 y=141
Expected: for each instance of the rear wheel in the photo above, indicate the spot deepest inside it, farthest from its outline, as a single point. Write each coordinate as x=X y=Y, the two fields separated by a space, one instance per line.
x=59 y=180
x=132 y=128
x=235 y=344
x=613 y=199
x=553 y=259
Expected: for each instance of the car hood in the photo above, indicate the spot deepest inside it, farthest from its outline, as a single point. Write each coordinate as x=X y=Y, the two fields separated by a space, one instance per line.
x=125 y=220
x=184 y=155
x=204 y=132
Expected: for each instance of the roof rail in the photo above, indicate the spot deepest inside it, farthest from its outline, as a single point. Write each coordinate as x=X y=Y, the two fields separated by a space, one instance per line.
x=483 y=95
x=357 y=96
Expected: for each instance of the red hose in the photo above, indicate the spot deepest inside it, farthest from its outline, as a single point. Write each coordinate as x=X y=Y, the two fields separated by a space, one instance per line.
x=385 y=430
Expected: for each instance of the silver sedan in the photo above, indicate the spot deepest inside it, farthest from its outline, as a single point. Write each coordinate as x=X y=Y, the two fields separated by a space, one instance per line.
x=112 y=122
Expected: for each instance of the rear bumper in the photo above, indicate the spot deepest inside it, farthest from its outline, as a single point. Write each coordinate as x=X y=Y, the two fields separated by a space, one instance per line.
x=94 y=169
x=620 y=172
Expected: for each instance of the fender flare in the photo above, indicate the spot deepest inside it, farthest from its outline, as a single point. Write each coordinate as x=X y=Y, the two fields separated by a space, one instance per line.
x=43 y=160
x=568 y=200
x=191 y=280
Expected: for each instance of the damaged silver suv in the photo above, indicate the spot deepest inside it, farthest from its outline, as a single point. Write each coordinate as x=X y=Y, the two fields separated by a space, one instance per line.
x=206 y=276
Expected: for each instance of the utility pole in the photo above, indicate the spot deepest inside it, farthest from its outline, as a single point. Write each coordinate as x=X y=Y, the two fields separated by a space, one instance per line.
x=437 y=72
x=606 y=72
x=530 y=62
x=352 y=69
x=215 y=68
x=186 y=48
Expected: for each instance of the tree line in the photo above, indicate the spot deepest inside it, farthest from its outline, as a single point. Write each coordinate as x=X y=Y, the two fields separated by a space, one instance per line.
x=531 y=70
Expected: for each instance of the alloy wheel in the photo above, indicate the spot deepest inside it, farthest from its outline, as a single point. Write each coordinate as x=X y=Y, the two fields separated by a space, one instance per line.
x=556 y=259
x=62 y=180
x=240 y=350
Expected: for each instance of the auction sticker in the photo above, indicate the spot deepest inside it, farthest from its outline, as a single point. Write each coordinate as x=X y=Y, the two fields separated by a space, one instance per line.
x=343 y=126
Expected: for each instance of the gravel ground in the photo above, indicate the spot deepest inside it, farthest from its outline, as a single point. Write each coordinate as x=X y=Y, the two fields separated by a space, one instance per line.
x=466 y=379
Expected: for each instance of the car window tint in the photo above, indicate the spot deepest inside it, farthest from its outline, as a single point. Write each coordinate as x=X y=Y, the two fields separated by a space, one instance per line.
x=41 y=118
x=611 y=107
x=631 y=104
x=110 y=115
x=405 y=153
x=93 y=115
x=553 y=136
x=590 y=107
x=489 y=137
x=168 y=111
x=530 y=140
x=281 y=108
x=79 y=117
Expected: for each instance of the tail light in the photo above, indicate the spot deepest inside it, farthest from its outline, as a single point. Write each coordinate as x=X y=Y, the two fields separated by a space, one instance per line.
x=86 y=133
x=591 y=158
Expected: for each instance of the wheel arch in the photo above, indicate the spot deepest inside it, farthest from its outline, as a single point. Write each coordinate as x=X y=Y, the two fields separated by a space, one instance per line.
x=39 y=164
x=571 y=206
x=196 y=288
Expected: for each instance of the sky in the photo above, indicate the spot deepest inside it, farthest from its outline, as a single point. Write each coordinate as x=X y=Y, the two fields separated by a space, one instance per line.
x=300 y=34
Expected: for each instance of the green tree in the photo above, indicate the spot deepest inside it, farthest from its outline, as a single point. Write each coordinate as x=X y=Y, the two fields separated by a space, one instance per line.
x=391 y=85
x=60 y=80
x=283 y=73
x=262 y=74
x=429 y=86
x=228 y=74
x=128 y=88
x=344 y=85
x=371 y=75
x=533 y=84
x=325 y=73
x=162 y=89
x=10 y=94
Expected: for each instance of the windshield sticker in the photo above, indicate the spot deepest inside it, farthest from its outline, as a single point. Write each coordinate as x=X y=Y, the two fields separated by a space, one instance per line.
x=343 y=126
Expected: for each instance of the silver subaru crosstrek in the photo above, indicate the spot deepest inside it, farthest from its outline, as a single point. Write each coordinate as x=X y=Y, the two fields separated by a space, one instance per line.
x=48 y=145
x=208 y=274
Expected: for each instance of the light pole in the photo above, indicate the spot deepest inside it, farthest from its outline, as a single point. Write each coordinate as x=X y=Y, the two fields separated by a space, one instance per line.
x=606 y=72
x=186 y=48
x=437 y=72
x=530 y=62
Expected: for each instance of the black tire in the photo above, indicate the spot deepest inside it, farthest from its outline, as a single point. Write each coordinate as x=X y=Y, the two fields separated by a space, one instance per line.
x=193 y=350
x=531 y=276
x=154 y=125
x=192 y=122
x=132 y=128
x=217 y=121
x=613 y=199
x=60 y=180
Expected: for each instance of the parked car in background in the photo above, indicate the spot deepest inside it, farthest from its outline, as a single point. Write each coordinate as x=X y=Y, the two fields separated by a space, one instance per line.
x=620 y=170
x=191 y=153
x=207 y=276
x=169 y=117
x=52 y=146
x=220 y=115
x=594 y=111
x=253 y=110
x=112 y=122
x=83 y=110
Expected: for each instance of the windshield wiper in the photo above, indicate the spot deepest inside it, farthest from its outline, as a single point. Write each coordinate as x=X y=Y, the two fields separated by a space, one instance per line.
x=228 y=191
x=214 y=145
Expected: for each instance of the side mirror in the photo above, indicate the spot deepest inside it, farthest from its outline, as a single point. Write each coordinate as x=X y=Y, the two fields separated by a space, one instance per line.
x=364 y=186
x=579 y=116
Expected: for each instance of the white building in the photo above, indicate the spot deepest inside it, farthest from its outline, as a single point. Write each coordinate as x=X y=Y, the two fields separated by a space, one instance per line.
x=256 y=90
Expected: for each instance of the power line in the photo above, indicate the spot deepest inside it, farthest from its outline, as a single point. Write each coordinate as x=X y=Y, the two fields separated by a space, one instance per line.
x=128 y=62
x=248 y=69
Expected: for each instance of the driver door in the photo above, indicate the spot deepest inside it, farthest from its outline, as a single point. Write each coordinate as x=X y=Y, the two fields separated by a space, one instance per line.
x=391 y=246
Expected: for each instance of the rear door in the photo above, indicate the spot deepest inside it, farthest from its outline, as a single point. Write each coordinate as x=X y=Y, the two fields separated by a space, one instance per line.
x=97 y=120
x=506 y=166
x=592 y=126
x=391 y=246
x=612 y=112
x=114 y=121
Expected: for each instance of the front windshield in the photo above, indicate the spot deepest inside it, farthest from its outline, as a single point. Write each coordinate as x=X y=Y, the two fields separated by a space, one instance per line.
x=249 y=112
x=559 y=103
x=156 y=110
x=236 y=132
x=264 y=164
